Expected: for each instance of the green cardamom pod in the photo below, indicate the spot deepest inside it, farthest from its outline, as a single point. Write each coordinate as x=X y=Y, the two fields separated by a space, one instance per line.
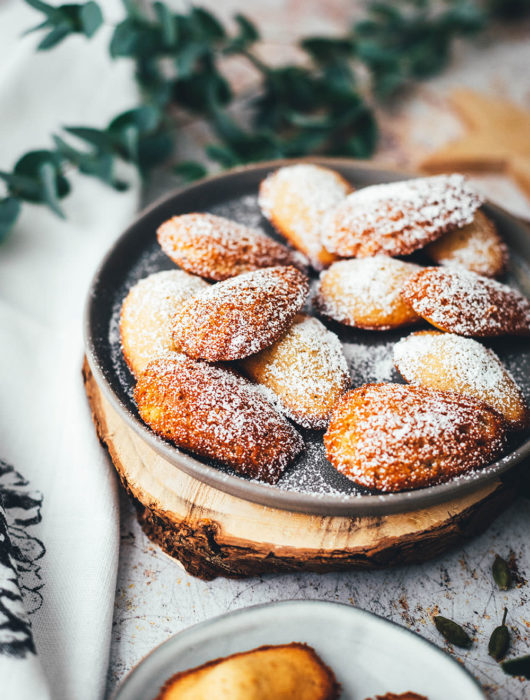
x=517 y=667
x=501 y=573
x=499 y=640
x=452 y=632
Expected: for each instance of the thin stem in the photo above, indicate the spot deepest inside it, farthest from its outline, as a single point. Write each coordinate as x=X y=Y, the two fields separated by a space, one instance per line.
x=504 y=616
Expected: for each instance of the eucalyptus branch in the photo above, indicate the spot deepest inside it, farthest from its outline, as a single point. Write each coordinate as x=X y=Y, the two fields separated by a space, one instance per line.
x=320 y=106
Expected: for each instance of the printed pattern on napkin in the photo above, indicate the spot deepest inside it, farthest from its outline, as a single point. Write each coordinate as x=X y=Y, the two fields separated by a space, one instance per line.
x=20 y=552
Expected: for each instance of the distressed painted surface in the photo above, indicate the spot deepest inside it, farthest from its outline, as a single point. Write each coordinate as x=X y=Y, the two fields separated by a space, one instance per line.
x=156 y=598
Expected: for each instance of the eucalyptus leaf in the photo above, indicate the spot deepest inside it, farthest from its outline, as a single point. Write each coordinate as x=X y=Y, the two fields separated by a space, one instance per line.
x=143 y=119
x=206 y=24
x=133 y=9
x=313 y=107
x=50 y=194
x=22 y=186
x=42 y=25
x=246 y=36
x=327 y=49
x=54 y=37
x=168 y=23
x=248 y=32
x=48 y=10
x=189 y=170
x=91 y=18
x=125 y=39
x=96 y=137
x=9 y=212
x=154 y=149
x=222 y=155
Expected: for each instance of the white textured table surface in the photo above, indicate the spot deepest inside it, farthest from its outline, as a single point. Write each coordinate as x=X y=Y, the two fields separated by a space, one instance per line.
x=156 y=598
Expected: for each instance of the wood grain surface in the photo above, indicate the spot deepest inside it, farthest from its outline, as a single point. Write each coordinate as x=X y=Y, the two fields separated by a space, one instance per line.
x=215 y=534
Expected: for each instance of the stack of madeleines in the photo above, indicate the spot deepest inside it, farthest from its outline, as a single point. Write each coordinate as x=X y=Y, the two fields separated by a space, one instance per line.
x=228 y=358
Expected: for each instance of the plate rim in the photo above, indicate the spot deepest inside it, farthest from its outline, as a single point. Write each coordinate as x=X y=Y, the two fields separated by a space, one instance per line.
x=294 y=602
x=252 y=490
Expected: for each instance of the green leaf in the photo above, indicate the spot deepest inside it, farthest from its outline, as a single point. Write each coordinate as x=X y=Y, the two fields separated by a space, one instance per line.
x=30 y=168
x=30 y=163
x=168 y=22
x=188 y=56
x=202 y=91
x=247 y=29
x=325 y=49
x=9 y=212
x=222 y=154
x=56 y=35
x=125 y=39
x=190 y=170
x=91 y=18
x=362 y=144
x=96 y=137
x=42 y=25
x=22 y=186
x=154 y=149
x=246 y=36
x=130 y=138
x=206 y=25
x=144 y=119
x=96 y=163
x=50 y=193
x=42 y=7
x=132 y=7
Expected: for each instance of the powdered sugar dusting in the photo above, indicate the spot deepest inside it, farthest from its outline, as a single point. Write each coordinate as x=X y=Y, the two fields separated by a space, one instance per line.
x=451 y=362
x=366 y=292
x=240 y=316
x=393 y=437
x=307 y=193
x=476 y=247
x=370 y=363
x=147 y=312
x=465 y=303
x=218 y=248
x=216 y=413
x=306 y=370
x=369 y=357
x=399 y=217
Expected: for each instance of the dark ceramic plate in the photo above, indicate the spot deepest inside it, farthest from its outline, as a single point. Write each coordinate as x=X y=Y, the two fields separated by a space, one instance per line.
x=310 y=485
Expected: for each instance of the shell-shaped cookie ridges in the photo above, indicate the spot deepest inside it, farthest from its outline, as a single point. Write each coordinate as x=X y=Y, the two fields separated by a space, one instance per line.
x=462 y=302
x=398 y=218
x=240 y=316
x=366 y=293
x=296 y=200
x=450 y=362
x=305 y=371
x=147 y=312
x=218 y=248
x=216 y=413
x=394 y=437
x=476 y=247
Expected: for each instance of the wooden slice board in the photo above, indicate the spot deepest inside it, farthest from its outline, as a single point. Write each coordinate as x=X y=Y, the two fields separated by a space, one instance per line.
x=215 y=534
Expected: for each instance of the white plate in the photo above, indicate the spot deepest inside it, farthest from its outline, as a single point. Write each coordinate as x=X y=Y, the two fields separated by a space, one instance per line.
x=368 y=654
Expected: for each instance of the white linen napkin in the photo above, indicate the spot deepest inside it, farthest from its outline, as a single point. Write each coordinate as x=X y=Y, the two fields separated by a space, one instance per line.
x=65 y=581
